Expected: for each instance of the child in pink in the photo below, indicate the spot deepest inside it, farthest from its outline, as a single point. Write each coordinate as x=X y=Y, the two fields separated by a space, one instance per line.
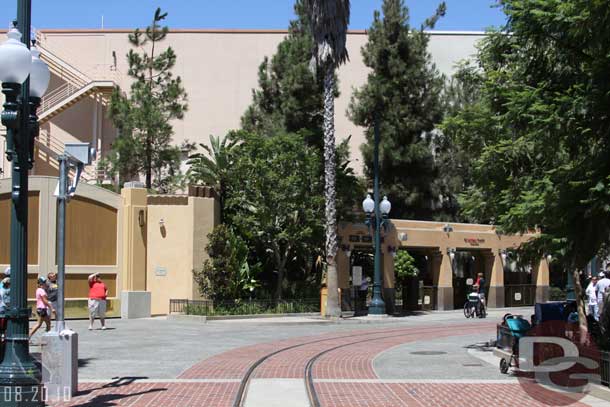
x=44 y=309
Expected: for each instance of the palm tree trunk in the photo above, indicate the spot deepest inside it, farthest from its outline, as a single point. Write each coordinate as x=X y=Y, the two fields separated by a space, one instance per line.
x=330 y=193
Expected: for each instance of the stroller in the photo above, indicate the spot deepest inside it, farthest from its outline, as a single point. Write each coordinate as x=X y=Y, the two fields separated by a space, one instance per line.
x=513 y=328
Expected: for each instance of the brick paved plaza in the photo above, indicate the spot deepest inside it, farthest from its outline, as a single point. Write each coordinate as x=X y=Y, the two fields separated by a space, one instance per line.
x=430 y=360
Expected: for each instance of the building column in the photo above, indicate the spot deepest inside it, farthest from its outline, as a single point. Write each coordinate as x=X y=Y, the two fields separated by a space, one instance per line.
x=443 y=279
x=343 y=279
x=494 y=264
x=135 y=300
x=343 y=270
x=389 y=281
x=540 y=277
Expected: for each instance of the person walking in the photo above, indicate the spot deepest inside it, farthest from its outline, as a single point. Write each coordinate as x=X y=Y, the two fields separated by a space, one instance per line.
x=97 y=300
x=5 y=302
x=591 y=293
x=44 y=309
x=602 y=286
x=52 y=289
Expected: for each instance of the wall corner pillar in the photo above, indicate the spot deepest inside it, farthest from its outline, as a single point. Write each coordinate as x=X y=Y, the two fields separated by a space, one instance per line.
x=541 y=278
x=443 y=280
x=135 y=300
x=495 y=295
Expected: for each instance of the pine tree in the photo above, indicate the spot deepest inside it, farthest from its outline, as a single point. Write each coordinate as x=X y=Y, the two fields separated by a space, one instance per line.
x=143 y=117
x=403 y=91
x=289 y=99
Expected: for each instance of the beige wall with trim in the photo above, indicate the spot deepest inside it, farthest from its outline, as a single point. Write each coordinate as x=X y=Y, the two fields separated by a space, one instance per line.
x=176 y=240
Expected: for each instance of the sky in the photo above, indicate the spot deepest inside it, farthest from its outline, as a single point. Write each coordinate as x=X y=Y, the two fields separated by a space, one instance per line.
x=462 y=15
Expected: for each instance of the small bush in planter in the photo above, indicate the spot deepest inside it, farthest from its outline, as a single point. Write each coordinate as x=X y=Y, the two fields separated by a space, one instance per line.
x=406 y=278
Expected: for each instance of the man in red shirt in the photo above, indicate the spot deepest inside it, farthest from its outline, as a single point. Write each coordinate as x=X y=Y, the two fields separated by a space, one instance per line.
x=97 y=300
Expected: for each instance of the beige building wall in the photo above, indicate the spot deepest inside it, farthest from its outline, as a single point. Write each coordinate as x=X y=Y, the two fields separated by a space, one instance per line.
x=176 y=238
x=219 y=69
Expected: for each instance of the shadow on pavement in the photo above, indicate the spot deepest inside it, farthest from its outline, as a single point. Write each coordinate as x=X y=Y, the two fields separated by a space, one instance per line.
x=117 y=382
x=482 y=346
x=105 y=400
x=124 y=381
x=84 y=361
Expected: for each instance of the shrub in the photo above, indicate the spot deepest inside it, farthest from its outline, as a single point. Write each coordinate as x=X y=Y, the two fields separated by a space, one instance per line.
x=557 y=294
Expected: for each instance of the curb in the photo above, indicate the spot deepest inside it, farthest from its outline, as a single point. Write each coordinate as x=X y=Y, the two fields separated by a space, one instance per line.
x=598 y=391
x=204 y=318
x=260 y=316
x=191 y=318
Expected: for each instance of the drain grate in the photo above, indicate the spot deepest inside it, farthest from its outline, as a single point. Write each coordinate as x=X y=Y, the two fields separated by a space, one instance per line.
x=428 y=353
x=471 y=364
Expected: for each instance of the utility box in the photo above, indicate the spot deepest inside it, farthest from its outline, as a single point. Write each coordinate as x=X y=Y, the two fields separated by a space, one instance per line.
x=81 y=152
x=60 y=365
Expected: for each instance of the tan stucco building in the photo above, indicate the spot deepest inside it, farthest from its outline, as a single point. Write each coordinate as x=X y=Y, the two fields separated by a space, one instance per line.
x=219 y=70
x=449 y=254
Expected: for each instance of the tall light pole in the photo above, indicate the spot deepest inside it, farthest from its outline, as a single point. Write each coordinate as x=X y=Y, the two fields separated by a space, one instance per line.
x=20 y=383
x=378 y=213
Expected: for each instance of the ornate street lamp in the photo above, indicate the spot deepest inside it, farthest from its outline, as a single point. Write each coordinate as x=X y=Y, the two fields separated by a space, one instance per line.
x=20 y=377
x=377 y=218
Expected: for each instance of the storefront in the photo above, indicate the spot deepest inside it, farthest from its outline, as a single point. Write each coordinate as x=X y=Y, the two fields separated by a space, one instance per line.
x=447 y=256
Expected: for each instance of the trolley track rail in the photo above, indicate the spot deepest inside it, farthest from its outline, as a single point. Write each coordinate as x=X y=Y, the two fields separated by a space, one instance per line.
x=308 y=371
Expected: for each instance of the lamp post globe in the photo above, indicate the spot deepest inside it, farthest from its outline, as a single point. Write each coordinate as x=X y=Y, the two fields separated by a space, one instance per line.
x=15 y=59
x=368 y=205
x=385 y=206
x=39 y=75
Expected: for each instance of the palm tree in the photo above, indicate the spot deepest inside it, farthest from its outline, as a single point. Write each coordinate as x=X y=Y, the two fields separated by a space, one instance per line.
x=212 y=167
x=329 y=21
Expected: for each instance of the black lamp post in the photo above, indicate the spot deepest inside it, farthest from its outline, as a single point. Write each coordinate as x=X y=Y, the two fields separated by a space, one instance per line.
x=24 y=80
x=377 y=217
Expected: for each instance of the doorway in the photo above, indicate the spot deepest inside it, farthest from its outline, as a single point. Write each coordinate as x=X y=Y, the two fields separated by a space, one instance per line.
x=466 y=265
x=361 y=273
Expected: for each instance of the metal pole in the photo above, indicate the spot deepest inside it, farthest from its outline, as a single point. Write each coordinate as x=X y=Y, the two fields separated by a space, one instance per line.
x=20 y=378
x=377 y=305
x=570 y=294
x=61 y=240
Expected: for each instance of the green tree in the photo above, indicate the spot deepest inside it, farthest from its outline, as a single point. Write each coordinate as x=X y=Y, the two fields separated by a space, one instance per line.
x=329 y=20
x=289 y=99
x=225 y=275
x=540 y=131
x=213 y=167
x=276 y=206
x=143 y=118
x=452 y=157
x=403 y=91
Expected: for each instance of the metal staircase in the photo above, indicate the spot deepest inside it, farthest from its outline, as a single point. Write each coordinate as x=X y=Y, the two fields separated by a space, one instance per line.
x=77 y=85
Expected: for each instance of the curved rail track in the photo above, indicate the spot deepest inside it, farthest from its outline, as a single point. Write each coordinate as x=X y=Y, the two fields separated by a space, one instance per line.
x=308 y=371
